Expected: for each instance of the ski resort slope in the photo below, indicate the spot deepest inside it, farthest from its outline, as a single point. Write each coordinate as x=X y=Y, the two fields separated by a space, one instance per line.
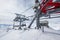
x=32 y=34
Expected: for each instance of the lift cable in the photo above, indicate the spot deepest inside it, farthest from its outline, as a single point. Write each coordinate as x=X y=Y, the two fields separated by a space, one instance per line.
x=27 y=9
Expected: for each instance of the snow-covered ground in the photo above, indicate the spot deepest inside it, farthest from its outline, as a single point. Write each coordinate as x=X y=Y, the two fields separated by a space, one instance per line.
x=32 y=34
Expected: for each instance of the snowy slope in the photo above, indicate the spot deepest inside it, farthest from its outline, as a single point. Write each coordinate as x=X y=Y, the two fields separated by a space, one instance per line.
x=32 y=34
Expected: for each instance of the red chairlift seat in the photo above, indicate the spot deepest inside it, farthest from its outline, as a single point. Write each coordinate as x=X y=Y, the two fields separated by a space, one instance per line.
x=47 y=6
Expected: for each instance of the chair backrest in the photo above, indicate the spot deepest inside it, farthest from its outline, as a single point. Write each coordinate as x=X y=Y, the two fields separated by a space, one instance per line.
x=44 y=23
x=23 y=25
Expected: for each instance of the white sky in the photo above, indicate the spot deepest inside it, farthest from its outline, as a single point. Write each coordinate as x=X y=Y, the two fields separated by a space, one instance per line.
x=9 y=7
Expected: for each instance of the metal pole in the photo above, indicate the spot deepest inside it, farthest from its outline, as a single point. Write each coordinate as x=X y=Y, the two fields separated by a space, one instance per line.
x=37 y=19
x=38 y=13
x=13 y=24
x=32 y=22
x=42 y=28
x=20 y=24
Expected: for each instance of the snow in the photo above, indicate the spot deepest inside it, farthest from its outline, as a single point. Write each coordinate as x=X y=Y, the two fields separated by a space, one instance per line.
x=51 y=33
x=32 y=34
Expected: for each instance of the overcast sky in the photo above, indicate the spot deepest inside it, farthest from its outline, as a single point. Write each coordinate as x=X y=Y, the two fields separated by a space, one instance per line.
x=9 y=7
